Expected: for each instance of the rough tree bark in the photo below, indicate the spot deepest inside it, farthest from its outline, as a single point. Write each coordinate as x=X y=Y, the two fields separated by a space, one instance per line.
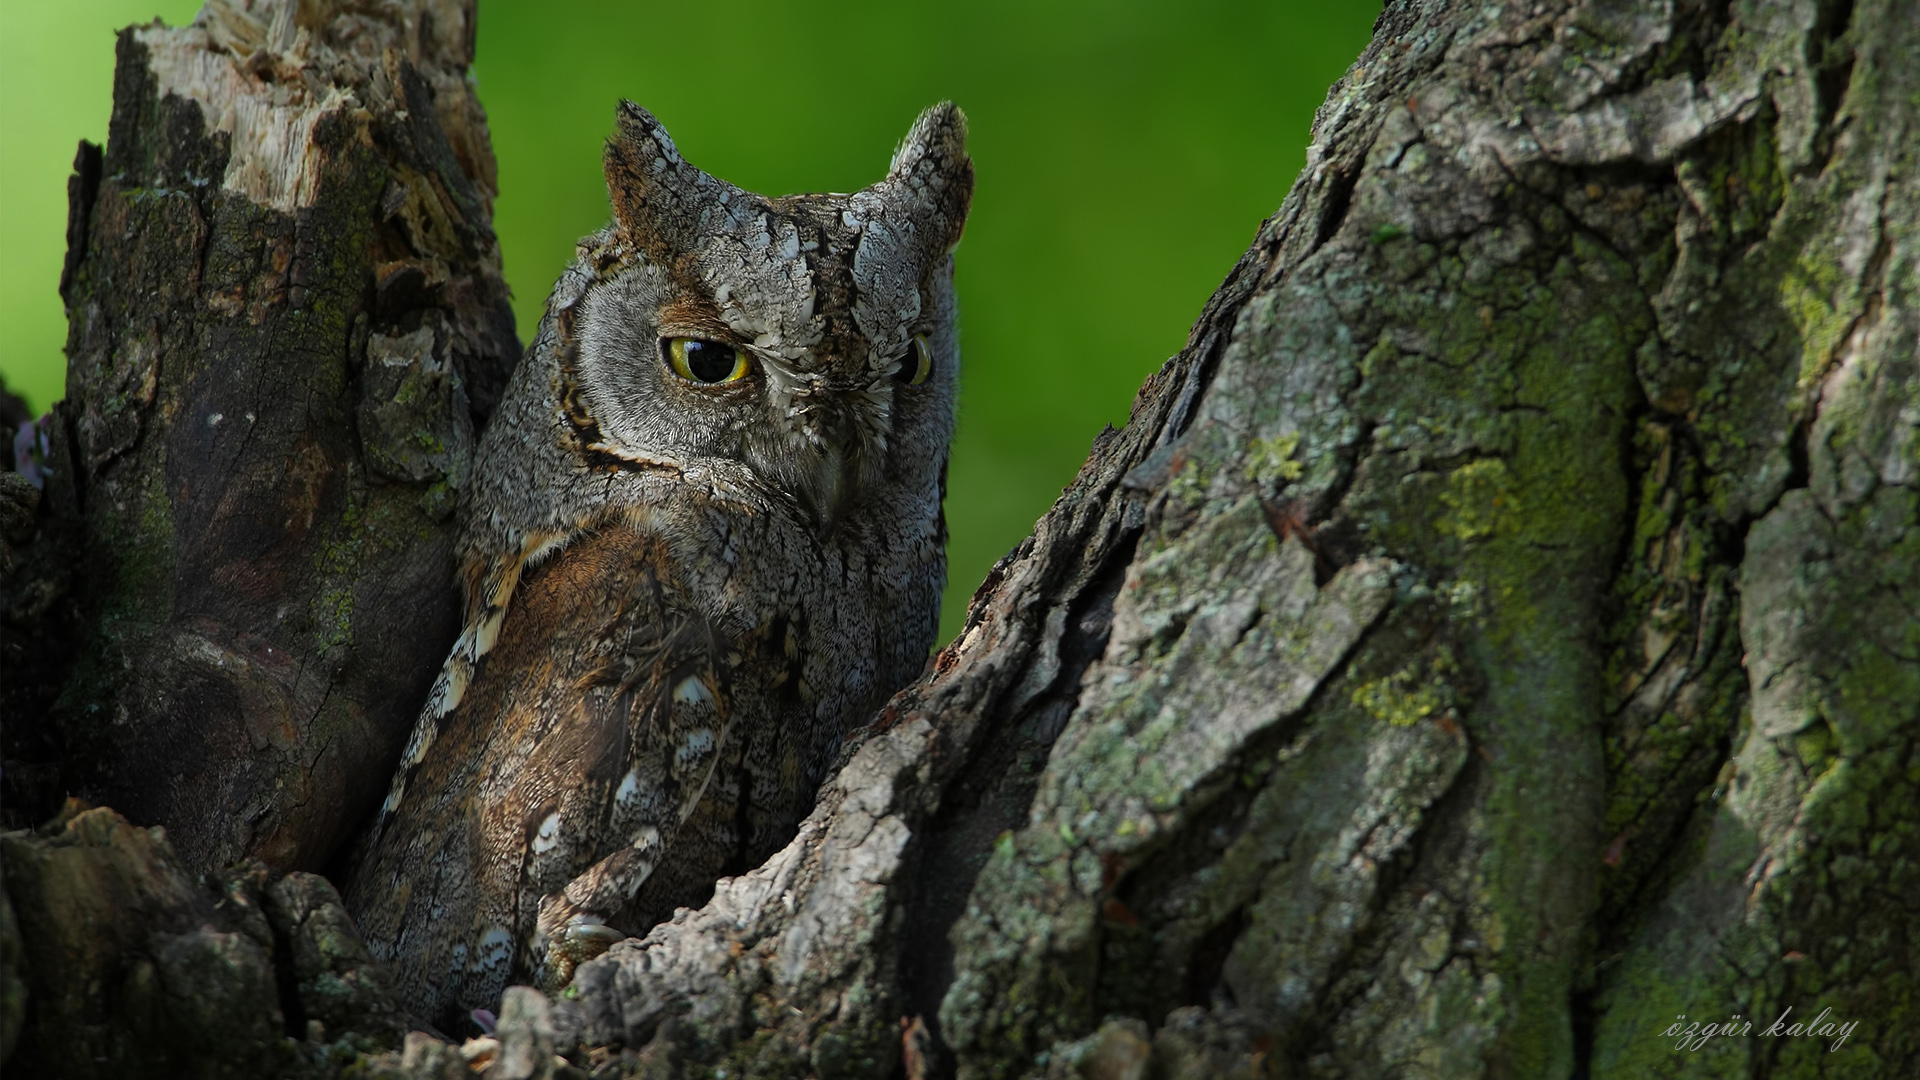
x=1495 y=634
x=286 y=317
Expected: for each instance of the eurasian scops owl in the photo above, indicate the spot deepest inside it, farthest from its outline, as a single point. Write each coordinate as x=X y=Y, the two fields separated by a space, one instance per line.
x=705 y=539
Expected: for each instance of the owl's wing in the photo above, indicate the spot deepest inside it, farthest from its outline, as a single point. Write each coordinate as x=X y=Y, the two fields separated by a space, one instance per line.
x=488 y=582
x=584 y=738
x=671 y=693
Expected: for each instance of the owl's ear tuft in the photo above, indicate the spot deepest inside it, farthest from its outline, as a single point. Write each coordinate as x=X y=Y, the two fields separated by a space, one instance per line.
x=933 y=168
x=647 y=179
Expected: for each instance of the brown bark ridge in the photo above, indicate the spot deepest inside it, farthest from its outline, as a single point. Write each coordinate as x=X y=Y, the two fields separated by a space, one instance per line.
x=1496 y=634
x=133 y=966
x=286 y=319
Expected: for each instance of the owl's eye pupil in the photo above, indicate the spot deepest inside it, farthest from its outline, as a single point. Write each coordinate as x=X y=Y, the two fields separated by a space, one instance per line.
x=916 y=363
x=706 y=362
x=709 y=361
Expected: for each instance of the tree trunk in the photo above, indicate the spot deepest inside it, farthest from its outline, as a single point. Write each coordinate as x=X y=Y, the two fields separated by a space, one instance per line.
x=1492 y=646
x=286 y=318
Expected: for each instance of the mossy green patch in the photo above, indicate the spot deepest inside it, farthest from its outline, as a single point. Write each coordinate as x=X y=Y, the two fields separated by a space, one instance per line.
x=1411 y=694
x=1273 y=459
x=334 y=566
x=1810 y=292
x=1480 y=501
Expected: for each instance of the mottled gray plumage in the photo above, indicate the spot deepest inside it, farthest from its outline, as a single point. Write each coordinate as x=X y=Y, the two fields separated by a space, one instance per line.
x=680 y=593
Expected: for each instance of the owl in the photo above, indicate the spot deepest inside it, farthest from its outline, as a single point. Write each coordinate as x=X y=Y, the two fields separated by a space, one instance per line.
x=705 y=539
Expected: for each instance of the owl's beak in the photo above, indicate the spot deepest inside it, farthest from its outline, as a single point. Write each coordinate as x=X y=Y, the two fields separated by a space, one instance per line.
x=829 y=486
x=833 y=462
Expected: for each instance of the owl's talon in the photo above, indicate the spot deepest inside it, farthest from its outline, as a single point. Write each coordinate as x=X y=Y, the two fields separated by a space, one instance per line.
x=583 y=938
x=583 y=933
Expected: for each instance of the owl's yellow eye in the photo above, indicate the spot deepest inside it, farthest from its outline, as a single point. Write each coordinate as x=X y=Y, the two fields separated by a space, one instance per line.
x=916 y=364
x=709 y=363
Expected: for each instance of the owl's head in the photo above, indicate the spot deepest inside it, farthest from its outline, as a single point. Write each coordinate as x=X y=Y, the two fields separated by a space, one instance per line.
x=808 y=338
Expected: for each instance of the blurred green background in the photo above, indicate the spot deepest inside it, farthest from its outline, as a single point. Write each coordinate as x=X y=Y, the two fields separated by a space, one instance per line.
x=1125 y=151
